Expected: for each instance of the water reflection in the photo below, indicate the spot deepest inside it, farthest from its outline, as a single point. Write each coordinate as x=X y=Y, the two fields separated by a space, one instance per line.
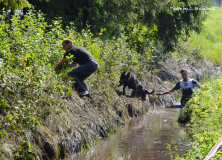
x=142 y=138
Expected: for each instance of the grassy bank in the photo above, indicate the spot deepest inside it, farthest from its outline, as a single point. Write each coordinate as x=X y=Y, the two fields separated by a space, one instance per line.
x=210 y=40
x=206 y=44
x=205 y=108
x=41 y=115
x=204 y=111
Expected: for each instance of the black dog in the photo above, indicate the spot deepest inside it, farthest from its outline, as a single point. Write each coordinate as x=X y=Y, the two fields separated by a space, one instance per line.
x=132 y=82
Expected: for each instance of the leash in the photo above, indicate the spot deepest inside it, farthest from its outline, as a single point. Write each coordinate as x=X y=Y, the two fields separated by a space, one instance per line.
x=154 y=88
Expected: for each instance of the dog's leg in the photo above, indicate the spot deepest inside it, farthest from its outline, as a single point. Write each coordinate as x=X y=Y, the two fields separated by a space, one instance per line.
x=133 y=94
x=137 y=93
x=142 y=93
x=143 y=96
x=124 y=89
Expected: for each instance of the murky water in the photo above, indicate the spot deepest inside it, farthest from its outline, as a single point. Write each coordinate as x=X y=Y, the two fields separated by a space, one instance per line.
x=143 y=138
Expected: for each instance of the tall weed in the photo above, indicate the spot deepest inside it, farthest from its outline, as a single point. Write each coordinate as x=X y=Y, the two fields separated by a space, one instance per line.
x=205 y=109
x=29 y=50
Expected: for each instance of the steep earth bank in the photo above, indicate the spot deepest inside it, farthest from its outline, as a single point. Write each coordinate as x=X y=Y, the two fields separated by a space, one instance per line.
x=91 y=119
x=82 y=122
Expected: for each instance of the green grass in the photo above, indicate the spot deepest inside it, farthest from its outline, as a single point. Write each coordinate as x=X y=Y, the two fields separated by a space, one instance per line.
x=207 y=43
x=33 y=97
x=210 y=39
x=205 y=109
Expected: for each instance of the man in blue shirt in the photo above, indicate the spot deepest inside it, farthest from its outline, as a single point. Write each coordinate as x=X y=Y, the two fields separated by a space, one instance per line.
x=187 y=85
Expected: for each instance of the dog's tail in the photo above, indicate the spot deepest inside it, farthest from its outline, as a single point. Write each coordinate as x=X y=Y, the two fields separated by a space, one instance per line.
x=146 y=91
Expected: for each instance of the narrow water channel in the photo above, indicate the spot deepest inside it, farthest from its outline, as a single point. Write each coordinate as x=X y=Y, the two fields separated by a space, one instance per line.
x=142 y=138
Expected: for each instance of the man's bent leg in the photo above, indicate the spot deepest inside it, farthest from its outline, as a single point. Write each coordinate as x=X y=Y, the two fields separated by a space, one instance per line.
x=81 y=73
x=78 y=84
x=85 y=85
x=75 y=74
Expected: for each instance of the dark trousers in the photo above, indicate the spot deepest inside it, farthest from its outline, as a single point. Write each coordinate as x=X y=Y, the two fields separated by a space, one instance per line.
x=81 y=73
x=184 y=101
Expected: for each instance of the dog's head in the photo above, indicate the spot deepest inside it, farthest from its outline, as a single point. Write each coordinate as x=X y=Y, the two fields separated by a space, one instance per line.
x=124 y=78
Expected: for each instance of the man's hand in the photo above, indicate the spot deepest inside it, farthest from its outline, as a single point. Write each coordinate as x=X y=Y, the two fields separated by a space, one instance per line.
x=159 y=94
x=59 y=64
x=167 y=92
x=72 y=64
x=58 y=67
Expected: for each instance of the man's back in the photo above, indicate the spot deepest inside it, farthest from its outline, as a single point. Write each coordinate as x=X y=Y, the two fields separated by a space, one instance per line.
x=81 y=56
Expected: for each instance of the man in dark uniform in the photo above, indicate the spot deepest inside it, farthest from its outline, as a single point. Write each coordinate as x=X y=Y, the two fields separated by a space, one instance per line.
x=187 y=85
x=88 y=65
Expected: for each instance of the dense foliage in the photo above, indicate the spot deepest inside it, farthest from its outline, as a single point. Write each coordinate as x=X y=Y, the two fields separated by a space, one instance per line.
x=204 y=111
x=170 y=19
x=29 y=49
x=13 y=4
x=30 y=89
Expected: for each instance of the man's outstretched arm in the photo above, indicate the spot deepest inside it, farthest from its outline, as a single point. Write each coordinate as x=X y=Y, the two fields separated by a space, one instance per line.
x=170 y=91
x=167 y=92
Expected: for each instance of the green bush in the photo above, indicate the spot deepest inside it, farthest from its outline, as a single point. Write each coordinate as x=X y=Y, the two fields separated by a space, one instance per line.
x=204 y=111
x=29 y=50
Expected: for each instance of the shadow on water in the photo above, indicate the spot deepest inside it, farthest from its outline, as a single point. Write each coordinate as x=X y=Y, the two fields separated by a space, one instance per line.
x=143 y=138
